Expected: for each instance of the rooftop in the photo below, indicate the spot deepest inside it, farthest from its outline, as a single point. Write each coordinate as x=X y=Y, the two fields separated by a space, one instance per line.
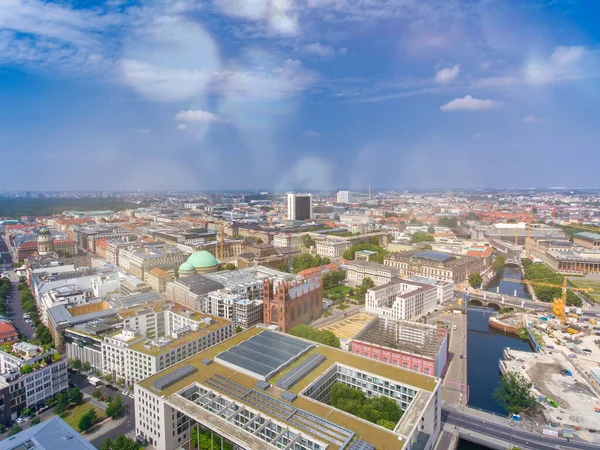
x=436 y=256
x=52 y=434
x=588 y=236
x=385 y=439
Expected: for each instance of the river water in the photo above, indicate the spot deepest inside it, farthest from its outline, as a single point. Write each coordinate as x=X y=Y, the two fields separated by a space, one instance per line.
x=508 y=287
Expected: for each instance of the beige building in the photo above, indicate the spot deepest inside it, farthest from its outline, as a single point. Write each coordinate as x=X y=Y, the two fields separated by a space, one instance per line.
x=380 y=274
x=140 y=260
x=333 y=248
x=287 y=240
x=401 y=299
x=157 y=279
x=435 y=265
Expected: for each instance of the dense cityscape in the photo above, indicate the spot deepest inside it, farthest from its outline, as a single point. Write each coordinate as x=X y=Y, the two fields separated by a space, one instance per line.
x=360 y=320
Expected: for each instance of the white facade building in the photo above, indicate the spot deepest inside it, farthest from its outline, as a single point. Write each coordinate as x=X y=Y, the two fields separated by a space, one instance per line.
x=71 y=295
x=380 y=274
x=345 y=197
x=445 y=289
x=332 y=248
x=401 y=299
x=287 y=240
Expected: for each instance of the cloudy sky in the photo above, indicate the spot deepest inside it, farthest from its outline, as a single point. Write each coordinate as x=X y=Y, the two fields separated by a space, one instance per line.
x=299 y=94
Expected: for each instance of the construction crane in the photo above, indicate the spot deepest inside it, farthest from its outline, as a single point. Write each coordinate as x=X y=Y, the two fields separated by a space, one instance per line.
x=559 y=304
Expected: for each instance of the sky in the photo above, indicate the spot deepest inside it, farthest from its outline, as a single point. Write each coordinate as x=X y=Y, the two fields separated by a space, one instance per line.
x=298 y=94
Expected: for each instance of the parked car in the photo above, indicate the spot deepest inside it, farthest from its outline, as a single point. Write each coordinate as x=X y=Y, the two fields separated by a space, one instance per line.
x=572 y=355
x=111 y=387
x=131 y=395
x=19 y=420
x=125 y=392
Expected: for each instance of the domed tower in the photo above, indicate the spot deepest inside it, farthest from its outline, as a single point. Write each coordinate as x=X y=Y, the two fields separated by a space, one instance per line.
x=45 y=242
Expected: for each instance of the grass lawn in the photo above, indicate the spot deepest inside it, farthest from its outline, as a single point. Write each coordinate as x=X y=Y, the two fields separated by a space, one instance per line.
x=587 y=283
x=73 y=415
x=342 y=306
x=339 y=290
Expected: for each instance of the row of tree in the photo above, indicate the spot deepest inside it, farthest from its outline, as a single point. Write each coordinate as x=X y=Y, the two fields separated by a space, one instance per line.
x=361 y=291
x=542 y=273
x=28 y=303
x=332 y=279
x=380 y=410
x=5 y=285
x=120 y=443
x=307 y=261
x=372 y=246
x=422 y=236
x=324 y=337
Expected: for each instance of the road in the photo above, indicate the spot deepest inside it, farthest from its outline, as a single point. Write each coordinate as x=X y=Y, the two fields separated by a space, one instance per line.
x=15 y=311
x=512 y=435
x=127 y=427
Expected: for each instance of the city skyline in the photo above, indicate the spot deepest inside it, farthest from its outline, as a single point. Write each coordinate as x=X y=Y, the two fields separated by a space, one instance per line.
x=301 y=95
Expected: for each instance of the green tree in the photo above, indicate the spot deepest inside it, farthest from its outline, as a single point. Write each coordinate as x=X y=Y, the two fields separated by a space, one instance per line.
x=97 y=393
x=324 y=337
x=515 y=393
x=106 y=445
x=49 y=401
x=421 y=236
x=307 y=261
x=75 y=395
x=378 y=258
x=238 y=329
x=526 y=262
x=332 y=279
x=115 y=408
x=62 y=401
x=380 y=410
x=475 y=280
x=450 y=222
x=86 y=366
x=499 y=263
x=431 y=229
x=361 y=291
x=308 y=241
x=229 y=266
x=26 y=368
x=35 y=421
x=87 y=420
x=14 y=429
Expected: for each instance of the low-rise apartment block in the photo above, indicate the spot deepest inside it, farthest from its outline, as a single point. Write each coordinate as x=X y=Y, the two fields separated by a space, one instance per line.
x=28 y=376
x=380 y=274
x=401 y=299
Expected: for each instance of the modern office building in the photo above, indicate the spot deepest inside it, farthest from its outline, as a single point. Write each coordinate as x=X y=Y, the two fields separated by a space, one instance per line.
x=345 y=197
x=299 y=206
x=411 y=345
x=248 y=391
x=401 y=299
x=444 y=289
x=28 y=376
x=380 y=274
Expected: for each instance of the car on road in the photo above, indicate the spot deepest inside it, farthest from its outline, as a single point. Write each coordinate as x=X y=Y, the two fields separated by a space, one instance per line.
x=125 y=393
x=111 y=387
x=131 y=395
x=572 y=355
x=19 y=420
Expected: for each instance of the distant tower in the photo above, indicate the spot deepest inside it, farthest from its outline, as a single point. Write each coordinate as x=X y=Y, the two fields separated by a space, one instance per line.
x=299 y=206
x=45 y=242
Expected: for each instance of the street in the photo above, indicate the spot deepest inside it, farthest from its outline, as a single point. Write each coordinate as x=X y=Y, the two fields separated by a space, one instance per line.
x=127 y=427
x=15 y=311
x=515 y=436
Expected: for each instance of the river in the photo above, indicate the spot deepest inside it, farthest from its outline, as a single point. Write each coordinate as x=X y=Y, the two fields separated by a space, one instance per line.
x=484 y=351
x=509 y=287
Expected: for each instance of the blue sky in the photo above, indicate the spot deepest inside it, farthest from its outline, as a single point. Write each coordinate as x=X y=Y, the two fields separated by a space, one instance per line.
x=299 y=94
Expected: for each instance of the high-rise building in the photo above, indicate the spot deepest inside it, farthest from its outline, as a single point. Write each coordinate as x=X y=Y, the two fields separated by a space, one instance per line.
x=299 y=206
x=345 y=197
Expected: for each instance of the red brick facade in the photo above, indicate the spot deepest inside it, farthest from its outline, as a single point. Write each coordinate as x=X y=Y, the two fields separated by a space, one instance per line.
x=288 y=305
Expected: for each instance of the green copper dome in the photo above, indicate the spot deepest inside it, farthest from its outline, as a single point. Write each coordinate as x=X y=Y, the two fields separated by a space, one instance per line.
x=43 y=231
x=202 y=260
x=186 y=267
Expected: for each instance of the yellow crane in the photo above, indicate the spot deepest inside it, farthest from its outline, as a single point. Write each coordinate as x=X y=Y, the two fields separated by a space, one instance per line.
x=559 y=304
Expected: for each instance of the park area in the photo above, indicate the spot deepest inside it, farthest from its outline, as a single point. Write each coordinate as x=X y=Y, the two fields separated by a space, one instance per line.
x=591 y=281
x=338 y=292
x=73 y=415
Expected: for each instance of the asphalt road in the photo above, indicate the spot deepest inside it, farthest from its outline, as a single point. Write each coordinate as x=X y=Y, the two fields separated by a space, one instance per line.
x=15 y=311
x=126 y=427
x=514 y=436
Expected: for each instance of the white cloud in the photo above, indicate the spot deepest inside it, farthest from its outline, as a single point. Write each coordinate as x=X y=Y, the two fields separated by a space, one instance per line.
x=477 y=135
x=142 y=130
x=309 y=173
x=197 y=115
x=448 y=74
x=563 y=56
x=469 y=103
x=182 y=126
x=531 y=119
x=277 y=14
x=312 y=134
x=319 y=50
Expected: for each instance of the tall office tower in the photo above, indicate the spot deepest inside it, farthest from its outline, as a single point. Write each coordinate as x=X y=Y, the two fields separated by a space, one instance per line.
x=345 y=197
x=299 y=206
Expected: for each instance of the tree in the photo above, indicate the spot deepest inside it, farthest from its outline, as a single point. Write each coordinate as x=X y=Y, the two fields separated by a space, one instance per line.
x=475 y=280
x=86 y=366
x=380 y=410
x=515 y=393
x=62 y=401
x=115 y=409
x=450 y=222
x=87 y=420
x=307 y=261
x=124 y=443
x=526 y=262
x=14 y=429
x=499 y=263
x=228 y=266
x=378 y=258
x=325 y=337
x=25 y=411
x=97 y=393
x=35 y=421
x=421 y=236
x=26 y=368
x=308 y=241
x=75 y=396
x=361 y=291
x=430 y=229
x=332 y=279
x=49 y=401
